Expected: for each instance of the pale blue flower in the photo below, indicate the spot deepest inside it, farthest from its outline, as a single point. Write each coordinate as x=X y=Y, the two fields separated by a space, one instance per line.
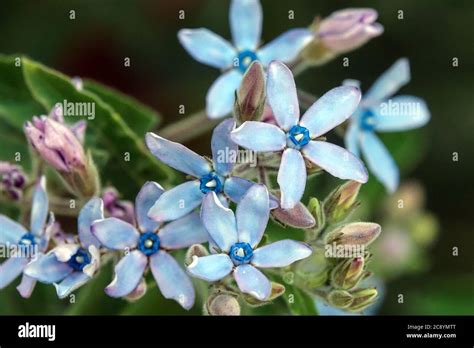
x=237 y=238
x=297 y=138
x=378 y=112
x=210 y=177
x=148 y=246
x=246 y=26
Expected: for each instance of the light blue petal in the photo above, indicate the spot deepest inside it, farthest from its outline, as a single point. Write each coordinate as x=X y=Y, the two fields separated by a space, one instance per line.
x=351 y=138
x=401 y=113
x=336 y=161
x=285 y=47
x=26 y=286
x=177 y=156
x=115 y=234
x=10 y=231
x=280 y=254
x=246 y=23
x=183 y=232
x=252 y=215
x=177 y=202
x=11 y=269
x=207 y=47
x=128 y=274
x=259 y=136
x=281 y=95
x=235 y=188
x=219 y=221
x=379 y=161
x=172 y=280
x=211 y=268
x=251 y=281
x=224 y=150
x=71 y=283
x=39 y=208
x=92 y=211
x=291 y=178
x=220 y=97
x=329 y=111
x=146 y=198
x=47 y=269
x=389 y=82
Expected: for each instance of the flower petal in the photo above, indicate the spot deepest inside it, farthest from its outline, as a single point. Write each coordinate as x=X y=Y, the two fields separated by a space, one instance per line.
x=211 y=268
x=177 y=156
x=220 y=97
x=11 y=269
x=246 y=23
x=235 y=188
x=281 y=94
x=11 y=231
x=219 y=222
x=285 y=47
x=329 y=111
x=259 y=136
x=252 y=215
x=177 y=202
x=251 y=281
x=207 y=47
x=280 y=254
x=223 y=148
x=379 y=161
x=172 y=280
x=336 y=161
x=26 y=286
x=46 y=268
x=128 y=274
x=146 y=198
x=291 y=178
x=115 y=234
x=92 y=211
x=39 y=207
x=351 y=138
x=183 y=232
x=71 y=283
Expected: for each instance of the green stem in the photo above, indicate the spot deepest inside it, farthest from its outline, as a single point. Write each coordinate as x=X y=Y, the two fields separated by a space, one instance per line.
x=189 y=128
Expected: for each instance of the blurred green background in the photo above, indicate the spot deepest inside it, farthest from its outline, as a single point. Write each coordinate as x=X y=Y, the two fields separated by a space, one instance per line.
x=164 y=76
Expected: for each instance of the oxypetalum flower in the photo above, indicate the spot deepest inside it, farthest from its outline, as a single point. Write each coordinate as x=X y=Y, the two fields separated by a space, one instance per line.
x=149 y=245
x=211 y=177
x=25 y=245
x=70 y=265
x=12 y=180
x=378 y=112
x=246 y=26
x=237 y=237
x=298 y=138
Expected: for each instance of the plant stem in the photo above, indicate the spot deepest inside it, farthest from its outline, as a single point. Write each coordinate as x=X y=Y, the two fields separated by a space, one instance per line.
x=189 y=128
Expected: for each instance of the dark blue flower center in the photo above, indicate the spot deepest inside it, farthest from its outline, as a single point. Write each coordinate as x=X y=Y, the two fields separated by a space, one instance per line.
x=211 y=182
x=299 y=136
x=241 y=253
x=149 y=243
x=367 y=120
x=27 y=244
x=79 y=260
x=245 y=58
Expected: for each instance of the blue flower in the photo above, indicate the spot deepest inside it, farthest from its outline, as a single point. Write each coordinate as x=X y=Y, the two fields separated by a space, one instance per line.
x=70 y=265
x=237 y=238
x=380 y=113
x=298 y=138
x=246 y=26
x=210 y=177
x=148 y=246
x=26 y=244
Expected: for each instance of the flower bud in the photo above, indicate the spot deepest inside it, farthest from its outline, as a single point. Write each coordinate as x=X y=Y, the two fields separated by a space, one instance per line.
x=313 y=271
x=362 y=299
x=223 y=304
x=317 y=211
x=299 y=216
x=356 y=233
x=250 y=97
x=340 y=298
x=277 y=290
x=194 y=250
x=12 y=180
x=342 y=201
x=123 y=210
x=348 y=273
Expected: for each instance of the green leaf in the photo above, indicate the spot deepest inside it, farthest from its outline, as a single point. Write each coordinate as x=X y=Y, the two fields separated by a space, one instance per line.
x=299 y=302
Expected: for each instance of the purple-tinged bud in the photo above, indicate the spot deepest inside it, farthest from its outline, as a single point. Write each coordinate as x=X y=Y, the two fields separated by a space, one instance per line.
x=250 y=97
x=195 y=250
x=223 y=305
x=348 y=273
x=342 y=201
x=356 y=233
x=299 y=216
x=114 y=207
x=12 y=180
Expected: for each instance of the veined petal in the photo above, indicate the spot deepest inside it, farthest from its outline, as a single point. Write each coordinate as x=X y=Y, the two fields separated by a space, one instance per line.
x=115 y=234
x=26 y=286
x=128 y=274
x=291 y=178
x=47 y=269
x=177 y=202
x=285 y=47
x=220 y=97
x=259 y=136
x=172 y=280
x=336 y=161
x=281 y=94
x=207 y=47
x=39 y=208
x=92 y=211
x=379 y=161
x=224 y=149
x=219 y=222
x=280 y=254
x=211 y=268
x=177 y=156
x=251 y=281
x=246 y=23
x=235 y=188
x=71 y=283
x=146 y=198
x=351 y=138
x=329 y=111
x=11 y=231
x=183 y=232
x=11 y=269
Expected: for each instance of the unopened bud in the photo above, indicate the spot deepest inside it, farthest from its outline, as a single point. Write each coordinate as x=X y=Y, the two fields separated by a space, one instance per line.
x=348 y=273
x=356 y=233
x=277 y=290
x=299 y=216
x=194 y=250
x=12 y=180
x=316 y=209
x=340 y=298
x=250 y=97
x=342 y=201
x=223 y=304
x=362 y=299
x=114 y=207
